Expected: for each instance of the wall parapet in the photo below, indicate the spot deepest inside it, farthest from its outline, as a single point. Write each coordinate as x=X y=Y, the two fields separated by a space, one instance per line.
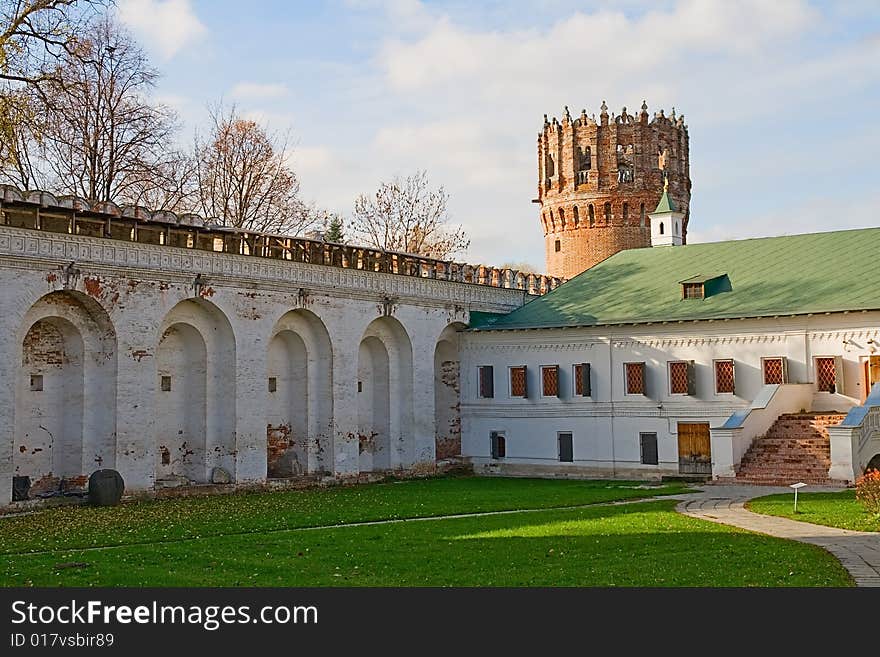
x=43 y=211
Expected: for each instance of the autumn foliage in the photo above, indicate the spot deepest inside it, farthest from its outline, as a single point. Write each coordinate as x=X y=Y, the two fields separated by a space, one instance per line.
x=868 y=491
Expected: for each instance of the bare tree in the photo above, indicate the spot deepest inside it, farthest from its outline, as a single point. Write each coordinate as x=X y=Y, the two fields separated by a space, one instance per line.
x=522 y=267
x=408 y=215
x=244 y=180
x=103 y=139
x=36 y=34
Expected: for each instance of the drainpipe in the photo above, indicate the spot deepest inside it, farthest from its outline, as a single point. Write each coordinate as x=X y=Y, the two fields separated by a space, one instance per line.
x=611 y=399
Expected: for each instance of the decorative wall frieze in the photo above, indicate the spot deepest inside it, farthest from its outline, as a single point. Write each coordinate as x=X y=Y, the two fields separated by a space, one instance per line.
x=54 y=249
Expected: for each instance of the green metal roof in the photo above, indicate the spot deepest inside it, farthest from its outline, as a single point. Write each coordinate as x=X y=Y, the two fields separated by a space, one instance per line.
x=702 y=278
x=665 y=204
x=791 y=275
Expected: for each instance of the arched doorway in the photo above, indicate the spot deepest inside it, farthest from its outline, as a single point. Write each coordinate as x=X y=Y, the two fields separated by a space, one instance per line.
x=195 y=395
x=65 y=408
x=300 y=400
x=385 y=381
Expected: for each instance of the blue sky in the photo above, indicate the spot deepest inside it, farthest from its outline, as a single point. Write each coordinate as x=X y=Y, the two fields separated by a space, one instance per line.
x=781 y=98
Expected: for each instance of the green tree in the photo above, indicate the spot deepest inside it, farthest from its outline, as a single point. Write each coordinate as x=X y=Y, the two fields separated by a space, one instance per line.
x=334 y=230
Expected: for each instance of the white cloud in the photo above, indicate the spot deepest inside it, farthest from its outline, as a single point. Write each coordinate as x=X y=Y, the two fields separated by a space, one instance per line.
x=257 y=91
x=165 y=26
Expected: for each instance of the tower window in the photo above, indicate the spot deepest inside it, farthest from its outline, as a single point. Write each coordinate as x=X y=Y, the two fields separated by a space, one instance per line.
x=557 y=246
x=625 y=212
x=625 y=174
x=273 y=384
x=562 y=218
x=577 y=218
x=551 y=167
x=592 y=213
x=585 y=162
x=165 y=384
x=607 y=212
x=662 y=231
x=642 y=214
x=36 y=382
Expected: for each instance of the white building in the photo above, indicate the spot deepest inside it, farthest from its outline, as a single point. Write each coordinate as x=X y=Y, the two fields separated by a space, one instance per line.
x=678 y=359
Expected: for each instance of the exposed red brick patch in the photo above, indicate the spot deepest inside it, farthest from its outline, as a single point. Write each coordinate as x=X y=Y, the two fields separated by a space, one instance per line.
x=93 y=286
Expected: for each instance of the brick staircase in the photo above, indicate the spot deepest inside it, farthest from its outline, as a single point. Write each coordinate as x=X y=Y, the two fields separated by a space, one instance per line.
x=796 y=448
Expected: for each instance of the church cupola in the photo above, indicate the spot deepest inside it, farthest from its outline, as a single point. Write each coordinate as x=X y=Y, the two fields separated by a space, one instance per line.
x=666 y=221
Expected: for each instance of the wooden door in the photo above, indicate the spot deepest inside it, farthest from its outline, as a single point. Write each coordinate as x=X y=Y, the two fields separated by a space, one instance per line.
x=694 y=453
x=873 y=371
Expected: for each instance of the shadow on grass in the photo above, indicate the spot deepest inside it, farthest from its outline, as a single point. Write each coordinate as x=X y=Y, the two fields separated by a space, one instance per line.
x=636 y=545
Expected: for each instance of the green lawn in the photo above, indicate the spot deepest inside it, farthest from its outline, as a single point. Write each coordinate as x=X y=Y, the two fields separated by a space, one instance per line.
x=173 y=519
x=838 y=509
x=266 y=540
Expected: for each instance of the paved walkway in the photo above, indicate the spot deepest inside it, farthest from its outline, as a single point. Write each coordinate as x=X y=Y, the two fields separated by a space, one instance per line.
x=859 y=552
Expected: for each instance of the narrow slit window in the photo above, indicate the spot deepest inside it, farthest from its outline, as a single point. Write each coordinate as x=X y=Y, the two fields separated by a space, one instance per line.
x=165 y=384
x=498 y=445
x=36 y=382
x=273 y=384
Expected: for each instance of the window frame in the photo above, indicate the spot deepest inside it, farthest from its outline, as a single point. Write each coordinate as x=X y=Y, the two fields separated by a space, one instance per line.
x=642 y=447
x=701 y=287
x=558 y=394
x=525 y=369
x=839 y=374
x=644 y=392
x=559 y=435
x=480 y=382
x=575 y=378
x=783 y=360
x=493 y=451
x=715 y=362
x=688 y=364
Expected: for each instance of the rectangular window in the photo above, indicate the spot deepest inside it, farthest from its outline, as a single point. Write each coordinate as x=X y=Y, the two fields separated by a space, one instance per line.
x=826 y=374
x=692 y=291
x=518 y=385
x=566 y=447
x=498 y=444
x=557 y=246
x=648 y=443
x=678 y=377
x=273 y=384
x=774 y=370
x=487 y=382
x=582 y=387
x=550 y=380
x=36 y=382
x=635 y=378
x=724 y=377
x=165 y=384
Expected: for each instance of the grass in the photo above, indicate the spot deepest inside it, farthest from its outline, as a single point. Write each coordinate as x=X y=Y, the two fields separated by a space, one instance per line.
x=201 y=542
x=837 y=509
x=244 y=513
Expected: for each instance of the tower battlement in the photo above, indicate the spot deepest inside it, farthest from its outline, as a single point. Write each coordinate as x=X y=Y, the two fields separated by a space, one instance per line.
x=599 y=178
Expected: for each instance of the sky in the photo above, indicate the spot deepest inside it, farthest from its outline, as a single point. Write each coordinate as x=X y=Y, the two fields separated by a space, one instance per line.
x=781 y=98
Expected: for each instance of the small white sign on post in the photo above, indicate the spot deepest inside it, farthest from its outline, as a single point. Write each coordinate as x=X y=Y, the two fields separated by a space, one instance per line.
x=796 y=487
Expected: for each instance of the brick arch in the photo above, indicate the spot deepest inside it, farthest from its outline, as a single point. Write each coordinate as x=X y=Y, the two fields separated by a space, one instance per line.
x=447 y=384
x=385 y=401
x=64 y=414
x=196 y=394
x=300 y=396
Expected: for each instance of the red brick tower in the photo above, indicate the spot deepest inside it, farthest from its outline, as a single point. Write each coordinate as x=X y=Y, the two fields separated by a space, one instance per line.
x=598 y=181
